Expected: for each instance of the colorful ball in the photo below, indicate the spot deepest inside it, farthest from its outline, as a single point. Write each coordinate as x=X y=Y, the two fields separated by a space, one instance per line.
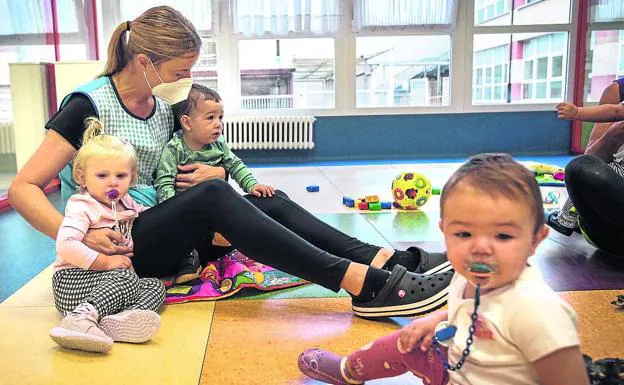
x=411 y=190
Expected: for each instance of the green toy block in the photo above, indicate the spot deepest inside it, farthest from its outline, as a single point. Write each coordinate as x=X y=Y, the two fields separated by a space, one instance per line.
x=374 y=206
x=435 y=191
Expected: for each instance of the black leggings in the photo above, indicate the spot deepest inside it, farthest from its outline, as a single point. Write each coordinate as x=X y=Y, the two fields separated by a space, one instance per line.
x=597 y=193
x=273 y=231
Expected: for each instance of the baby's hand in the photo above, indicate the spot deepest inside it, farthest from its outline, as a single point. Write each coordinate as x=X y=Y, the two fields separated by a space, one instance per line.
x=118 y=262
x=110 y=262
x=261 y=190
x=566 y=110
x=419 y=332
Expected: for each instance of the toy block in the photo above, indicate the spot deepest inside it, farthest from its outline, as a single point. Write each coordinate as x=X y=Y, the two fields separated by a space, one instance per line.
x=371 y=199
x=435 y=191
x=386 y=205
x=559 y=176
x=349 y=202
x=363 y=206
x=374 y=206
x=312 y=188
x=548 y=180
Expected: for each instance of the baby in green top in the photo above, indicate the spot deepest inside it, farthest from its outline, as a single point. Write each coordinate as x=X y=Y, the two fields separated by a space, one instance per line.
x=200 y=116
x=201 y=141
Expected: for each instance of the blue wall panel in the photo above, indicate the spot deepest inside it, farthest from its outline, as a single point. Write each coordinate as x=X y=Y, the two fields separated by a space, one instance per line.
x=426 y=136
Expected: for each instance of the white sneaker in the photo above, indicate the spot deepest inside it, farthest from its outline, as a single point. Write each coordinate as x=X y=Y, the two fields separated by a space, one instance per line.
x=133 y=325
x=80 y=330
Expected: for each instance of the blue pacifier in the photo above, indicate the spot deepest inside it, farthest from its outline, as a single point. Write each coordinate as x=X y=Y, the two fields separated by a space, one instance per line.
x=444 y=333
x=480 y=267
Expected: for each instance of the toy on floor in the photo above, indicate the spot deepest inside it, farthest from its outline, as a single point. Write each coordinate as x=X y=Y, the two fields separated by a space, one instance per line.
x=547 y=175
x=348 y=201
x=541 y=168
x=552 y=197
x=548 y=180
x=606 y=371
x=312 y=188
x=370 y=202
x=411 y=190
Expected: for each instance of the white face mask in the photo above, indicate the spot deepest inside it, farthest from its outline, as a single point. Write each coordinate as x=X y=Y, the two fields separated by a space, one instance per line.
x=173 y=92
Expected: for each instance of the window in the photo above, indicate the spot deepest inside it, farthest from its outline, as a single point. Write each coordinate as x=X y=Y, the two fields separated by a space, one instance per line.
x=489 y=9
x=543 y=63
x=521 y=54
x=279 y=17
x=521 y=12
x=402 y=71
x=201 y=13
x=26 y=36
x=286 y=73
x=286 y=52
x=605 y=47
x=621 y=47
x=411 y=68
x=491 y=72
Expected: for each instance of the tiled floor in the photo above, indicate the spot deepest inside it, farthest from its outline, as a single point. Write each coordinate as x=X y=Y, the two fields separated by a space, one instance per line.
x=255 y=338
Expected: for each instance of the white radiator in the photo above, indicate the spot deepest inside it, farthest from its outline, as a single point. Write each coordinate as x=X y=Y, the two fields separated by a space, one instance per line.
x=269 y=132
x=7 y=138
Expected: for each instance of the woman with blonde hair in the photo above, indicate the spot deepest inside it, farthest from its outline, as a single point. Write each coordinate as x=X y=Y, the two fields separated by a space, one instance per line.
x=148 y=69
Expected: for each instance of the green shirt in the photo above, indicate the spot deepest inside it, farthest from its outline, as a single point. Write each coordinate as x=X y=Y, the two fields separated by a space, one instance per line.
x=176 y=153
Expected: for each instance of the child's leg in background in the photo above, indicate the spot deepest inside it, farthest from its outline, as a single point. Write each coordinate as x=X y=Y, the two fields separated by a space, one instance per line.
x=379 y=359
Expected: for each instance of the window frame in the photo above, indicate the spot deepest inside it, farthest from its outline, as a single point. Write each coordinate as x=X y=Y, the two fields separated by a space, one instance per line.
x=492 y=85
x=461 y=73
x=603 y=26
x=534 y=81
x=620 y=70
x=570 y=29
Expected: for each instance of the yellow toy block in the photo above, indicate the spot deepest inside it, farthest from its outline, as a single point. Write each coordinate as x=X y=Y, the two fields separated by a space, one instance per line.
x=372 y=199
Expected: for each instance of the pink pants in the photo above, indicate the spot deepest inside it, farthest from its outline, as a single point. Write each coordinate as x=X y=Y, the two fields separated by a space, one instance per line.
x=382 y=359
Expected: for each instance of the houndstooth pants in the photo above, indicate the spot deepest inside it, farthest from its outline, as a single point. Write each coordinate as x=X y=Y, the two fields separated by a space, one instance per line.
x=108 y=291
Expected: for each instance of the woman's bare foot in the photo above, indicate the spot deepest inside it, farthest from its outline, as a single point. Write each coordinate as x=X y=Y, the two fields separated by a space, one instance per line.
x=382 y=256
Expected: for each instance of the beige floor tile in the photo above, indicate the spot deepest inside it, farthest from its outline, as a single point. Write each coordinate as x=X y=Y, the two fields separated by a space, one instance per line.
x=174 y=356
x=258 y=342
x=600 y=323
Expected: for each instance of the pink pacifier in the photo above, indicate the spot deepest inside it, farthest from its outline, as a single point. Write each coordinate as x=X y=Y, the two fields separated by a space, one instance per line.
x=112 y=194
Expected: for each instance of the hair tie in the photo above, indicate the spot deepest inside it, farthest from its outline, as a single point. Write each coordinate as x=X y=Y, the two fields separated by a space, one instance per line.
x=128 y=26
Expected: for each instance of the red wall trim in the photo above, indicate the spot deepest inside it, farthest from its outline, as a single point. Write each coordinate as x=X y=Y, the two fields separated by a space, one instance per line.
x=52 y=107
x=93 y=44
x=55 y=30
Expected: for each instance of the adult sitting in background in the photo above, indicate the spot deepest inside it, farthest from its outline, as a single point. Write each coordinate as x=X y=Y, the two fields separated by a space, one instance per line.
x=595 y=182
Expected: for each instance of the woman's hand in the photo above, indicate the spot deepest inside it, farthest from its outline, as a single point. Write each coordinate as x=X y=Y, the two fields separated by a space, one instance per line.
x=566 y=111
x=420 y=332
x=261 y=190
x=194 y=173
x=106 y=241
